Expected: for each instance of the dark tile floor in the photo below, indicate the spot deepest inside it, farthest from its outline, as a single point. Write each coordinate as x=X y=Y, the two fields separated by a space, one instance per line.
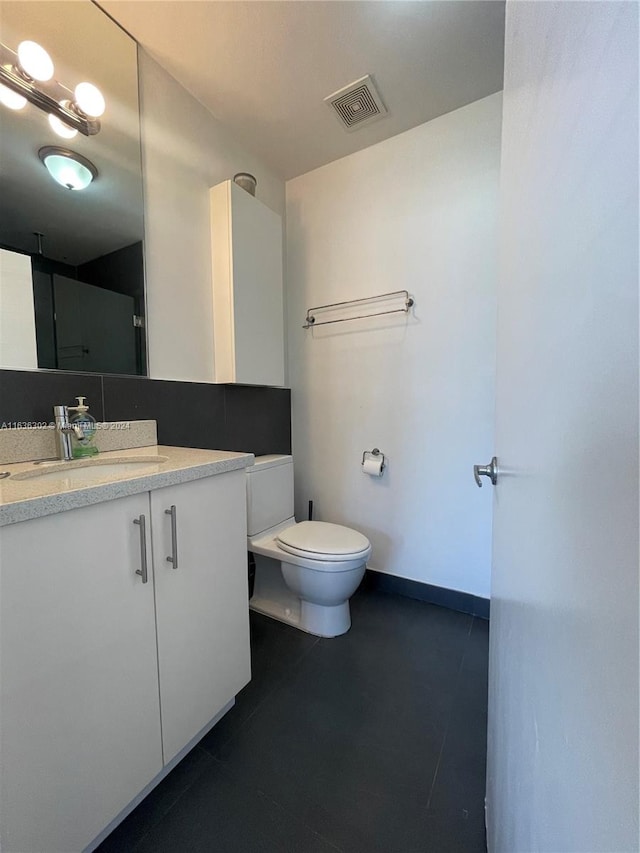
x=373 y=742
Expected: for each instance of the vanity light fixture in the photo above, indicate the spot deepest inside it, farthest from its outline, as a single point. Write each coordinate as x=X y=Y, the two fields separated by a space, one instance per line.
x=22 y=72
x=67 y=168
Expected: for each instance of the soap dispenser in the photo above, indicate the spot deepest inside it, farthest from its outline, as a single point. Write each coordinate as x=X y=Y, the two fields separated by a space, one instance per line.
x=85 y=446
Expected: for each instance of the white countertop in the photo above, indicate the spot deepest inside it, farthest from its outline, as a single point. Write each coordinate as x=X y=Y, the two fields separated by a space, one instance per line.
x=31 y=498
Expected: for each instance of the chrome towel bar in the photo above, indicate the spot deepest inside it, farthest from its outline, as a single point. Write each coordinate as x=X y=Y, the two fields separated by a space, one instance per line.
x=369 y=301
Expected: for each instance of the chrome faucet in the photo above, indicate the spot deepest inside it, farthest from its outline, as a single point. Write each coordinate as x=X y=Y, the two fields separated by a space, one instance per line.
x=64 y=430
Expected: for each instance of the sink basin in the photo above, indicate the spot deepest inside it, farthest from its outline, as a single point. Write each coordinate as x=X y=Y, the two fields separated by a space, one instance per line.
x=92 y=470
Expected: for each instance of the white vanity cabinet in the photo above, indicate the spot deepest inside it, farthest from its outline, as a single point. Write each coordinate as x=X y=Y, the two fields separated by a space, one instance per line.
x=248 y=310
x=105 y=678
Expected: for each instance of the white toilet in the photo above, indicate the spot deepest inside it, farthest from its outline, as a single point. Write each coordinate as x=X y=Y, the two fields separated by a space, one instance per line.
x=307 y=571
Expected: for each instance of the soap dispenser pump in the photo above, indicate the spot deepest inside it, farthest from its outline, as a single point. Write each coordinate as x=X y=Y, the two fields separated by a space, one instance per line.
x=84 y=446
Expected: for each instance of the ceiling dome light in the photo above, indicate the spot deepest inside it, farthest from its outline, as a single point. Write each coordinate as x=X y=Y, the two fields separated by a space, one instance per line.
x=59 y=126
x=35 y=61
x=89 y=99
x=11 y=99
x=67 y=168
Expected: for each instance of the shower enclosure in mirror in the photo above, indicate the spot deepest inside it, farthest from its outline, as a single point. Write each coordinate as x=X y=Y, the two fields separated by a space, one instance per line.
x=71 y=205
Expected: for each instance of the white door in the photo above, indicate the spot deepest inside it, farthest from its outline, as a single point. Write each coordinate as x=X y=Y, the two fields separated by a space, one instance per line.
x=79 y=703
x=202 y=602
x=563 y=685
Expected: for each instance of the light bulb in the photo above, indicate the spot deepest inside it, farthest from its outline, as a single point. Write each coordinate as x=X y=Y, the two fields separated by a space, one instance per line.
x=89 y=99
x=61 y=128
x=11 y=99
x=35 y=61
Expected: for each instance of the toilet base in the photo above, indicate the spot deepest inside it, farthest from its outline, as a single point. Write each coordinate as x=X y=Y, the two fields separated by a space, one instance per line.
x=325 y=621
x=312 y=618
x=284 y=611
x=273 y=597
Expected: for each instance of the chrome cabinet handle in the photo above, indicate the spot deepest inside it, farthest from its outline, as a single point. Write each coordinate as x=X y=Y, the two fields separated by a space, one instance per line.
x=490 y=471
x=143 y=570
x=173 y=559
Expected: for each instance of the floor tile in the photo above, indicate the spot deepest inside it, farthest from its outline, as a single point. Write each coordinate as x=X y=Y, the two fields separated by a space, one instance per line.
x=453 y=832
x=400 y=631
x=220 y=814
x=373 y=742
x=351 y=740
x=459 y=785
x=156 y=804
x=276 y=649
x=475 y=664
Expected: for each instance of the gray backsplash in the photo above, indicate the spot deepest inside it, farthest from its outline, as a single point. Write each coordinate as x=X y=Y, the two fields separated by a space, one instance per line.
x=251 y=418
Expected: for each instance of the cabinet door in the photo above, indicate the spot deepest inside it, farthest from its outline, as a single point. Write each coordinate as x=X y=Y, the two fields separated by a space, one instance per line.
x=256 y=240
x=202 y=605
x=247 y=288
x=80 y=723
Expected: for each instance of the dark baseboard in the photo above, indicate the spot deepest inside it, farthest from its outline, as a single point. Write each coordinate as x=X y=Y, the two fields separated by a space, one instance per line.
x=451 y=598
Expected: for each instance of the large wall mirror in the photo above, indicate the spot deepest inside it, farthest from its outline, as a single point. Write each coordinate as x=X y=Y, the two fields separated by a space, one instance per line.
x=71 y=260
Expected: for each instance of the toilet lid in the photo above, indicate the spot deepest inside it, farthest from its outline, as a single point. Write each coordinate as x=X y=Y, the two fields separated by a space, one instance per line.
x=331 y=542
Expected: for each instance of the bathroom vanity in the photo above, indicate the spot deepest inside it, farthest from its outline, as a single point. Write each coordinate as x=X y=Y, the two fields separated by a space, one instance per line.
x=123 y=628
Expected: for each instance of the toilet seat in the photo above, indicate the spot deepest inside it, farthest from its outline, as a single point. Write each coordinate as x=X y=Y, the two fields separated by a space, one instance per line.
x=324 y=542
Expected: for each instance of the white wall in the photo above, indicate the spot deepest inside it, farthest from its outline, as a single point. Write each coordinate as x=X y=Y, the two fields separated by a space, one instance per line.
x=563 y=676
x=186 y=150
x=416 y=212
x=17 y=318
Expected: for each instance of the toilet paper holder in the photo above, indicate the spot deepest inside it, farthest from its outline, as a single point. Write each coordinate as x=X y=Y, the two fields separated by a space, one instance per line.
x=375 y=452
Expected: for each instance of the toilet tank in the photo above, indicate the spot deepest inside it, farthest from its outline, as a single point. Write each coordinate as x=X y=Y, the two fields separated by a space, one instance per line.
x=269 y=492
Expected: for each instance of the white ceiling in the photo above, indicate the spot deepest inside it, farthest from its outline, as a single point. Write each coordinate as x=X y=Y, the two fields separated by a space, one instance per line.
x=264 y=68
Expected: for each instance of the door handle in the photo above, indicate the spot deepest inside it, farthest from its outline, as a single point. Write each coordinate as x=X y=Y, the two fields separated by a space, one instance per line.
x=490 y=471
x=173 y=559
x=143 y=570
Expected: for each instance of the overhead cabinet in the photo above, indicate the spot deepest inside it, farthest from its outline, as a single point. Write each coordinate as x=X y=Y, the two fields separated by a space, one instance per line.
x=247 y=288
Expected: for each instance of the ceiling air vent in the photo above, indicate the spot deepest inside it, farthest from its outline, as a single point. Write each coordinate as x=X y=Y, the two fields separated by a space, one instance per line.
x=357 y=104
